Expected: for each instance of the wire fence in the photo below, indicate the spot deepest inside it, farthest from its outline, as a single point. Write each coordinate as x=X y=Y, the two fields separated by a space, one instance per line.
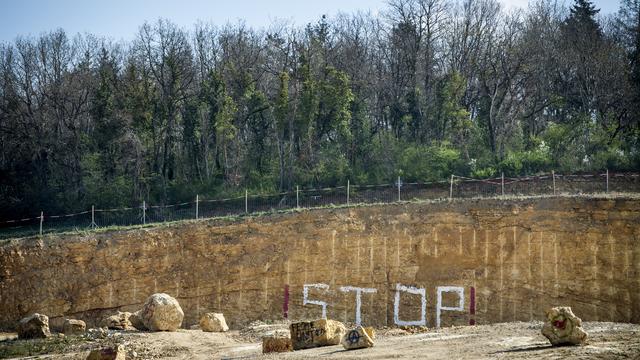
x=455 y=187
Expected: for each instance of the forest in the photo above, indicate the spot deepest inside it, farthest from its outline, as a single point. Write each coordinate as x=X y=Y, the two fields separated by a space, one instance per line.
x=421 y=90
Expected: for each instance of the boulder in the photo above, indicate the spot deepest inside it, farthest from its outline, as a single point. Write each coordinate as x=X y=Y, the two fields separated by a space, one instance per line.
x=74 y=327
x=119 y=321
x=310 y=334
x=109 y=353
x=136 y=321
x=161 y=312
x=358 y=338
x=276 y=342
x=34 y=326
x=562 y=327
x=213 y=322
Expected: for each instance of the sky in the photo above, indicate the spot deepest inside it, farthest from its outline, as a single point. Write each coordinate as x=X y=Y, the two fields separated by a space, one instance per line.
x=120 y=19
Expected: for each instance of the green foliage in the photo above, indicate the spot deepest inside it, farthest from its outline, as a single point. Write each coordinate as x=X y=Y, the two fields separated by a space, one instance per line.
x=429 y=163
x=109 y=194
x=484 y=173
x=334 y=105
x=607 y=152
x=527 y=162
x=171 y=116
x=282 y=102
x=451 y=95
x=331 y=170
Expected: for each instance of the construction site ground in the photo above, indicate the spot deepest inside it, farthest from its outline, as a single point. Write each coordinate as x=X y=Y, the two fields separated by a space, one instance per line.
x=521 y=340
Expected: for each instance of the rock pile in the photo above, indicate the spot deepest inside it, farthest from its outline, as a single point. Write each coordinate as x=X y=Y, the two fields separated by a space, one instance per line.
x=562 y=327
x=110 y=353
x=119 y=321
x=34 y=326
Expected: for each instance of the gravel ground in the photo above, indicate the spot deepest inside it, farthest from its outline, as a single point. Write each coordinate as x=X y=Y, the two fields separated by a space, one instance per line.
x=507 y=340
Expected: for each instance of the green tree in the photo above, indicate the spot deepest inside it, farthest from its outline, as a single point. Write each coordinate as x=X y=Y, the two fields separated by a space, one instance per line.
x=284 y=131
x=629 y=24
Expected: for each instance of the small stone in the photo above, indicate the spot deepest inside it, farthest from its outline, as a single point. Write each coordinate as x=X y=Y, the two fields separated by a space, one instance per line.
x=119 y=321
x=136 y=321
x=213 y=322
x=562 y=327
x=161 y=312
x=358 y=338
x=96 y=333
x=34 y=326
x=276 y=342
x=110 y=353
x=74 y=327
x=310 y=334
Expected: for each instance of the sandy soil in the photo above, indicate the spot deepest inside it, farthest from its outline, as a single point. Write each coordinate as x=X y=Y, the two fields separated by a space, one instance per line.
x=507 y=340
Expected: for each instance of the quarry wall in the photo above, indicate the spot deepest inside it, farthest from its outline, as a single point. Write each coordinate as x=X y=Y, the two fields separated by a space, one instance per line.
x=447 y=263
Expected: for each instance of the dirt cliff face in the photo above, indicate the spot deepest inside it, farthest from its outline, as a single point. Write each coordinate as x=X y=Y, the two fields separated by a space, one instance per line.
x=473 y=261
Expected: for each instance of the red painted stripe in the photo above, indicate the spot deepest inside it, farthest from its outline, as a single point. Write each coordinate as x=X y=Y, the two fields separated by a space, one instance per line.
x=285 y=305
x=472 y=306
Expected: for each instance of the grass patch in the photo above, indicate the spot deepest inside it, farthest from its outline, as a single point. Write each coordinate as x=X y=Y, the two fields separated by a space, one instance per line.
x=258 y=214
x=32 y=347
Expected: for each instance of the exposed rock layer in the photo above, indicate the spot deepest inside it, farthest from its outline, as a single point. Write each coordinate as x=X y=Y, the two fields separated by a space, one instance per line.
x=520 y=257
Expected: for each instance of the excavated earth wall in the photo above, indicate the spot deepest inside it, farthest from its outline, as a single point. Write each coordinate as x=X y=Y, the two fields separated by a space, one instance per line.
x=447 y=263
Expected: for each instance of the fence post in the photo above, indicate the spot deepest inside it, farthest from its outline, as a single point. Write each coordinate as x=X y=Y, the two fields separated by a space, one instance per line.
x=297 y=197
x=197 y=200
x=398 y=188
x=502 y=183
x=144 y=212
x=607 y=180
x=41 y=221
x=93 y=217
x=451 y=188
x=553 y=174
x=348 y=189
x=246 y=201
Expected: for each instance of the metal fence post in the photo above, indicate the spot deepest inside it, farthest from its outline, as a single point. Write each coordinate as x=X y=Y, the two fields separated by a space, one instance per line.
x=348 y=189
x=144 y=212
x=93 y=217
x=41 y=221
x=553 y=174
x=503 y=184
x=197 y=200
x=297 y=197
x=451 y=188
x=607 y=180
x=398 y=188
x=246 y=201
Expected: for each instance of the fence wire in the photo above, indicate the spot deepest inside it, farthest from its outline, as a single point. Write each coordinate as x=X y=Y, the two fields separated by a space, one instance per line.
x=351 y=194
